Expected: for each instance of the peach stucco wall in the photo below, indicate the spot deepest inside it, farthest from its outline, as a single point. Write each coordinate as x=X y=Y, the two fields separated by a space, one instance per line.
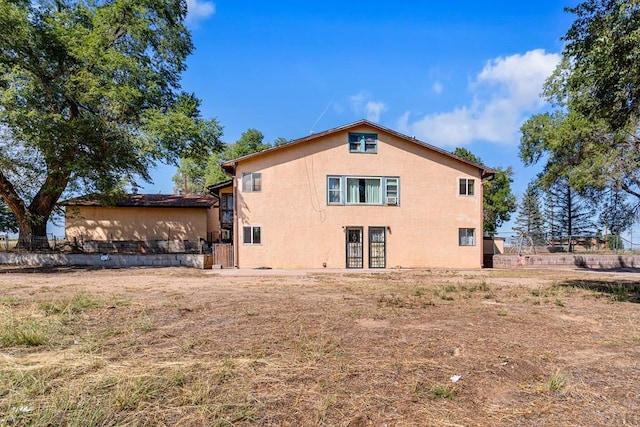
x=132 y=223
x=300 y=230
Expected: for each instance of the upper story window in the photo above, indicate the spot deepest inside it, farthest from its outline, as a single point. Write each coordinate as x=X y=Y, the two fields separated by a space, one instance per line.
x=392 y=191
x=363 y=143
x=467 y=187
x=364 y=191
x=251 y=182
x=354 y=190
x=334 y=190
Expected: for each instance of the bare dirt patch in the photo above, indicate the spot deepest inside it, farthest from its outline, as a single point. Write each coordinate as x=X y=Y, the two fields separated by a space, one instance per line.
x=190 y=347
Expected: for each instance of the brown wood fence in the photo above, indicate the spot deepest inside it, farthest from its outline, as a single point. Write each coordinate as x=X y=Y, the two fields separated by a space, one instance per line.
x=223 y=255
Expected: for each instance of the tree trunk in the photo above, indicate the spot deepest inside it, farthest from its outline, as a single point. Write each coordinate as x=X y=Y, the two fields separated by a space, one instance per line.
x=33 y=236
x=32 y=220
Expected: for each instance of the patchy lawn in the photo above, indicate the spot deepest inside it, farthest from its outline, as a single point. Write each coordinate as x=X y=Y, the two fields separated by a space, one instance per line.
x=187 y=347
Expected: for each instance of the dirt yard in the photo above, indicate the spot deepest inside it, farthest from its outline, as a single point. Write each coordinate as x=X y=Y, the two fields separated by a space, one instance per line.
x=185 y=347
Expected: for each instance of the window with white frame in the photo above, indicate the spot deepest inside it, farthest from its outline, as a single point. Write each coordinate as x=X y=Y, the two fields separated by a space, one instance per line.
x=356 y=190
x=334 y=190
x=363 y=143
x=466 y=236
x=251 y=182
x=391 y=191
x=251 y=235
x=467 y=187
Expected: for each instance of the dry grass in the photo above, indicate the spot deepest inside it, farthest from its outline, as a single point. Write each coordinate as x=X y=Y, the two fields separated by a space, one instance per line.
x=179 y=347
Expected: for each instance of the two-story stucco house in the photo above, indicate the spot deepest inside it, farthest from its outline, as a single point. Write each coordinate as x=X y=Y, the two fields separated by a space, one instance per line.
x=357 y=196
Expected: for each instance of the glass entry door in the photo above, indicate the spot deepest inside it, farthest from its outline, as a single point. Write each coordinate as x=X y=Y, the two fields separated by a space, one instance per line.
x=354 y=247
x=377 y=247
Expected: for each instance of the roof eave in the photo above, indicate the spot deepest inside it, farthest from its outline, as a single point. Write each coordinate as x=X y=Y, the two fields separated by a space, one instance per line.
x=230 y=165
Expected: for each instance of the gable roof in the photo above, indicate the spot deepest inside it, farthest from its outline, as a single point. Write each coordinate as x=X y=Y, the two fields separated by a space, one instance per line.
x=229 y=165
x=147 y=200
x=215 y=188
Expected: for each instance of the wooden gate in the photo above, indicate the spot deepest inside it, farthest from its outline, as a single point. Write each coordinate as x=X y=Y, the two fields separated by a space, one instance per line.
x=223 y=255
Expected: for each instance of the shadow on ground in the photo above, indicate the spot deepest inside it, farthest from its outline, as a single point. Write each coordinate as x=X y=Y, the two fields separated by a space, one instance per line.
x=619 y=265
x=18 y=269
x=619 y=290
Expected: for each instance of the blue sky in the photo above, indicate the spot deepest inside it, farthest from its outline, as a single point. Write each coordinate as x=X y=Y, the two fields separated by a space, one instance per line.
x=453 y=74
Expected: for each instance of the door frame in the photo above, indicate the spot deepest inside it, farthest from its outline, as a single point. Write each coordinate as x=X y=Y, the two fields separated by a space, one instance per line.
x=348 y=258
x=384 y=246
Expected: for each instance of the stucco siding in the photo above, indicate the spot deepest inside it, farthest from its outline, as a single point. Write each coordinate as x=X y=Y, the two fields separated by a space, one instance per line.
x=300 y=230
x=133 y=223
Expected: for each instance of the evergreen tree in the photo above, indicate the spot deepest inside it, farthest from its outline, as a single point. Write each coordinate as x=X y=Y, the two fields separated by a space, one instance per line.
x=530 y=220
x=616 y=216
x=569 y=215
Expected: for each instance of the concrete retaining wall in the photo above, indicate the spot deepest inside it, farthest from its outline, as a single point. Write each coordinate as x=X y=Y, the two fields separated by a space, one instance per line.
x=111 y=260
x=138 y=246
x=577 y=260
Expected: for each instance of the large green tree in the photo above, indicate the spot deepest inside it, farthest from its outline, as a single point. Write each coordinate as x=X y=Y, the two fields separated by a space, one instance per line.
x=498 y=200
x=196 y=176
x=251 y=141
x=591 y=139
x=90 y=100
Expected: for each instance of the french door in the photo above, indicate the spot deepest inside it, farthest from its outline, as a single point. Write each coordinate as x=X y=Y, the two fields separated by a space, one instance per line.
x=354 y=247
x=377 y=247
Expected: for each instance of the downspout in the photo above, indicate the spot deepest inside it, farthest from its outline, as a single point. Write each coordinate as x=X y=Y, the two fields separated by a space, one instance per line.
x=235 y=217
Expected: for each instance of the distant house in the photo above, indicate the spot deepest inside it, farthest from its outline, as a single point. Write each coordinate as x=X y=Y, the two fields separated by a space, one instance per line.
x=357 y=196
x=142 y=222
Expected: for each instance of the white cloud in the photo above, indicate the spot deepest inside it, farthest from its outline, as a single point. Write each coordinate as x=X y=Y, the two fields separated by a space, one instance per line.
x=357 y=102
x=362 y=105
x=198 y=10
x=437 y=88
x=505 y=93
x=374 y=110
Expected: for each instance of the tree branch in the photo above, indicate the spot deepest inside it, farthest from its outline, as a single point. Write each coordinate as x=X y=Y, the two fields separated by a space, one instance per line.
x=12 y=199
x=628 y=190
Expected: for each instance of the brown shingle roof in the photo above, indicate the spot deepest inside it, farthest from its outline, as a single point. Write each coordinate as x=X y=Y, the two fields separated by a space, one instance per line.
x=147 y=200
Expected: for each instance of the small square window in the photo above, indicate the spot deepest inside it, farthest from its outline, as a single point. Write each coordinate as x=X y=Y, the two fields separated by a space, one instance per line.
x=467 y=236
x=363 y=143
x=251 y=235
x=251 y=182
x=467 y=187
